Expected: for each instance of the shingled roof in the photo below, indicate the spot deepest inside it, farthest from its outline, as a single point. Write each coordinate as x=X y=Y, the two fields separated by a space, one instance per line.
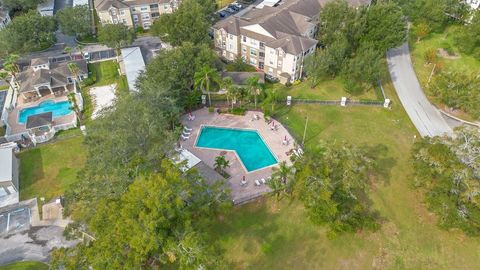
x=39 y=120
x=103 y=5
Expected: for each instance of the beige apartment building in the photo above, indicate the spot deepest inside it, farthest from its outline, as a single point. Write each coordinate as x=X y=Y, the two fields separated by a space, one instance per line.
x=133 y=13
x=273 y=36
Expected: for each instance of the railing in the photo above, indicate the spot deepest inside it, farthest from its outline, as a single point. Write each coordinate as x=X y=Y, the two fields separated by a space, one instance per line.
x=249 y=198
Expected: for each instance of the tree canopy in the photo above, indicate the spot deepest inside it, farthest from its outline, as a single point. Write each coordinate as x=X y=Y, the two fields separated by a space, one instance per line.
x=21 y=5
x=448 y=169
x=115 y=35
x=27 y=33
x=75 y=21
x=468 y=37
x=354 y=42
x=190 y=23
x=333 y=183
x=158 y=221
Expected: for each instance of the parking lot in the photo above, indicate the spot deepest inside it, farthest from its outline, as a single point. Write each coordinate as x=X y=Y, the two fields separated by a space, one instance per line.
x=230 y=9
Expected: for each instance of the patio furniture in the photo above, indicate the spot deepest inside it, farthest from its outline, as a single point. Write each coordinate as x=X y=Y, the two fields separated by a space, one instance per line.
x=263 y=181
x=191 y=117
x=187 y=133
x=257 y=183
x=185 y=137
x=185 y=128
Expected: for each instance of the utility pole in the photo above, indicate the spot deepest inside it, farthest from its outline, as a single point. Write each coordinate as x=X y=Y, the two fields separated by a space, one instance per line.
x=305 y=131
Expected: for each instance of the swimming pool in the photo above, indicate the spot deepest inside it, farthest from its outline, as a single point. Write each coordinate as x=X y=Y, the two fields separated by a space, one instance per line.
x=58 y=109
x=248 y=145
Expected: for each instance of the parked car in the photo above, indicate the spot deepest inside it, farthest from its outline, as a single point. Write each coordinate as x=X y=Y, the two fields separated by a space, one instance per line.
x=239 y=6
x=223 y=14
x=232 y=6
x=230 y=10
x=86 y=55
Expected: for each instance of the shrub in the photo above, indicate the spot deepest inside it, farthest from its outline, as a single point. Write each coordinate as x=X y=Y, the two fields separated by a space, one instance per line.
x=238 y=111
x=431 y=56
x=88 y=81
x=449 y=49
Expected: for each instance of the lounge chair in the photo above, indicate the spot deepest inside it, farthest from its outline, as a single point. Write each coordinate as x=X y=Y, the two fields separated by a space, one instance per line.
x=185 y=137
x=263 y=181
x=185 y=128
x=300 y=151
x=187 y=133
x=257 y=183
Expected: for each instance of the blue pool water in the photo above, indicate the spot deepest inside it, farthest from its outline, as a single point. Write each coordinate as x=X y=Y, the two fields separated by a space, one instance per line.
x=57 y=108
x=248 y=144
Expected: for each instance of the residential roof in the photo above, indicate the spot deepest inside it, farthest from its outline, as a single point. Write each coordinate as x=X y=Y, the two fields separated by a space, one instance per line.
x=134 y=65
x=6 y=164
x=239 y=78
x=278 y=22
x=57 y=75
x=104 y=5
x=39 y=61
x=39 y=120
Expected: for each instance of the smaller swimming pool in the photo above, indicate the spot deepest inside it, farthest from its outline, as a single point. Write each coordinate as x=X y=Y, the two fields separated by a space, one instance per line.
x=58 y=109
x=249 y=146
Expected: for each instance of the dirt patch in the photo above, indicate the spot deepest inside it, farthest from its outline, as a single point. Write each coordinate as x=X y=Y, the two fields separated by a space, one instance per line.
x=444 y=54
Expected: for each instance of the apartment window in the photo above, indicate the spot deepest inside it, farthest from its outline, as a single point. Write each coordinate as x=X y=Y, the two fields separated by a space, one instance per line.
x=262 y=45
x=260 y=65
x=146 y=25
x=145 y=16
x=124 y=21
x=253 y=52
x=230 y=36
x=166 y=6
x=155 y=14
x=133 y=9
x=115 y=21
x=244 y=39
x=253 y=61
x=154 y=6
x=230 y=46
x=143 y=8
x=135 y=18
x=122 y=12
x=261 y=54
x=271 y=62
x=114 y=12
x=244 y=49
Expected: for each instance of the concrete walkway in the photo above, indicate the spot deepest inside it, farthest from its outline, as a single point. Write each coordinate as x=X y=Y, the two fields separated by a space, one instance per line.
x=426 y=118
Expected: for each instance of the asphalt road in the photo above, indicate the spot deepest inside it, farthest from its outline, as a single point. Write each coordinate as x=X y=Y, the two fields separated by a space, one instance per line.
x=426 y=118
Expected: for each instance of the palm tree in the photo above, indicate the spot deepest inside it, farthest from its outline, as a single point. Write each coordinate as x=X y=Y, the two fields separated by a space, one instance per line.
x=74 y=69
x=10 y=64
x=227 y=84
x=69 y=51
x=221 y=163
x=203 y=79
x=253 y=87
x=4 y=77
x=282 y=181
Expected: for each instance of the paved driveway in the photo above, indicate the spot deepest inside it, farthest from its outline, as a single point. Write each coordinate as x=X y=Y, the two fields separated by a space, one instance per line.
x=426 y=118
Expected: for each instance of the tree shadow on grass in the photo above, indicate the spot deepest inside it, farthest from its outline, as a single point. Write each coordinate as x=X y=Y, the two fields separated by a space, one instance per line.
x=31 y=168
x=383 y=162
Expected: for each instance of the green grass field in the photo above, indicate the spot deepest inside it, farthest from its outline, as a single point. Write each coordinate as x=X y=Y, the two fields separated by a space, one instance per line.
x=25 y=266
x=325 y=90
x=436 y=41
x=105 y=73
x=47 y=170
x=260 y=236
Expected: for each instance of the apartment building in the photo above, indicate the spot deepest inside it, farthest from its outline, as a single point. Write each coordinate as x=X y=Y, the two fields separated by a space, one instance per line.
x=133 y=13
x=4 y=17
x=273 y=36
x=474 y=4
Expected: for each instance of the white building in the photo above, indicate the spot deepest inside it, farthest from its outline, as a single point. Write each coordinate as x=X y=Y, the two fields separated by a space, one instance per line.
x=8 y=175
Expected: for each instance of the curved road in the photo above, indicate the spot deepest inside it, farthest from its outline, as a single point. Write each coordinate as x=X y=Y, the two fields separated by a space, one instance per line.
x=426 y=118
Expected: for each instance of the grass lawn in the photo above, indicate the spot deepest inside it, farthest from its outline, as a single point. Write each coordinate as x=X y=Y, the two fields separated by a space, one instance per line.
x=260 y=236
x=25 y=266
x=47 y=170
x=325 y=90
x=105 y=73
x=436 y=41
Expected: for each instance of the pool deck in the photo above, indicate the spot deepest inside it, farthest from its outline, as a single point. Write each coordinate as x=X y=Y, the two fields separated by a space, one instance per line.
x=273 y=139
x=17 y=128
